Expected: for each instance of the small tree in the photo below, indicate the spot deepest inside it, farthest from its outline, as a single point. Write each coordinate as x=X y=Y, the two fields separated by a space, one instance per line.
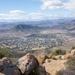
x=4 y=53
x=59 y=52
x=73 y=47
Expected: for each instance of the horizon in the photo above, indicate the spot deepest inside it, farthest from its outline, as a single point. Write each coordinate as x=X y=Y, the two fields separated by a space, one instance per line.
x=36 y=10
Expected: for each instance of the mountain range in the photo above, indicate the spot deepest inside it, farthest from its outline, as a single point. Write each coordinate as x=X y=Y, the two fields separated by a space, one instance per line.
x=44 y=23
x=38 y=27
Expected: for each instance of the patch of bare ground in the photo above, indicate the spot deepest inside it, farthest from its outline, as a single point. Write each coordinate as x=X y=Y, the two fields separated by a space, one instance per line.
x=54 y=66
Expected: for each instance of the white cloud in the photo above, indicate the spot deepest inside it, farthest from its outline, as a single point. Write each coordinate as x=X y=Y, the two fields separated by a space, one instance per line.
x=58 y=4
x=23 y=16
x=51 y=4
x=70 y=5
x=14 y=15
x=17 y=12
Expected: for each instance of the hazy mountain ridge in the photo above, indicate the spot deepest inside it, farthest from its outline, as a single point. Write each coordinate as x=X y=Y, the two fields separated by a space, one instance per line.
x=67 y=25
x=44 y=23
x=56 y=26
x=23 y=27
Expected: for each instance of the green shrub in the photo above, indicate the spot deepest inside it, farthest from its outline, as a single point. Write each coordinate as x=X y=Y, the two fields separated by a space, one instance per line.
x=59 y=52
x=71 y=63
x=73 y=47
x=58 y=73
x=4 y=53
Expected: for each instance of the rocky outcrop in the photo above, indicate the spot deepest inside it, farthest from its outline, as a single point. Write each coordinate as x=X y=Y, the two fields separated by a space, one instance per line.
x=7 y=68
x=41 y=58
x=26 y=65
x=68 y=55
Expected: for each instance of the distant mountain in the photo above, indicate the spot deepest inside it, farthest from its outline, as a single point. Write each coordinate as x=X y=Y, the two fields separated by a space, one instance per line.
x=67 y=25
x=24 y=27
x=47 y=26
x=43 y=23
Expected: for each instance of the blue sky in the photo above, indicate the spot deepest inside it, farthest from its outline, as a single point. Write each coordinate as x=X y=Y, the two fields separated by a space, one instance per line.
x=24 y=5
x=24 y=10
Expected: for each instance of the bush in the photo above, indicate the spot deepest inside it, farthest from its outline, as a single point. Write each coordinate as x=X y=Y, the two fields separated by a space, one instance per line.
x=59 y=52
x=4 y=53
x=73 y=47
x=71 y=63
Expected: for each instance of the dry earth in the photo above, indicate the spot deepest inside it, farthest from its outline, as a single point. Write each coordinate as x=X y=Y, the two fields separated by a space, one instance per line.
x=54 y=66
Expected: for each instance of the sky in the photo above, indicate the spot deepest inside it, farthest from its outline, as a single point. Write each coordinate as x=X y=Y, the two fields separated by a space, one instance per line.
x=32 y=10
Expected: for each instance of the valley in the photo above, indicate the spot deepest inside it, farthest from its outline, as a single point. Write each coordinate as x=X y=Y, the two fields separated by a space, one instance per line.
x=23 y=38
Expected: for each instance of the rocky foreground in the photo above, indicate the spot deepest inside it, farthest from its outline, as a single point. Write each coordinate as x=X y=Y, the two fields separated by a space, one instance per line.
x=38 y=65
x=26 y=65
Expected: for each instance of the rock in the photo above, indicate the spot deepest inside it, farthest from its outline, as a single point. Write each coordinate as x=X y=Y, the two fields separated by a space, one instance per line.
x=66 y=56
x=66 y=72
x=73 y=51
x=5 y=62
x=27 y=63
x=41 y=58
x=11 y=71
x=1 y=65
x=56 y=57
x=42 y=71
x=63 y=57
x=47 y=60
x=39 y=71
x=2 y=74
x=69 y=55
x=7 y=68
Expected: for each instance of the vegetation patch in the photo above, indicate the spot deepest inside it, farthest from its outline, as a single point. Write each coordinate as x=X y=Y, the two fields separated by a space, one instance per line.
x=4 y=53
x=73 y=47
x=59 y=52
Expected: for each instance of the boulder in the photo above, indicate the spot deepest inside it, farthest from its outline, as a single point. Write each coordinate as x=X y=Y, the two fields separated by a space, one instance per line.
x=41 y=58
x=27 y=63
x=11 y=71
x=39 y=71
x=5 y=62
x=7 y=68
x=42 y=71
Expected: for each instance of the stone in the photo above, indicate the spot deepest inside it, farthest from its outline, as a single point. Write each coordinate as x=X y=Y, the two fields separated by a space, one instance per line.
x=41 y=58
x=39 y=71
x=47 y=60
x=27 y=63
x=7 y=68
